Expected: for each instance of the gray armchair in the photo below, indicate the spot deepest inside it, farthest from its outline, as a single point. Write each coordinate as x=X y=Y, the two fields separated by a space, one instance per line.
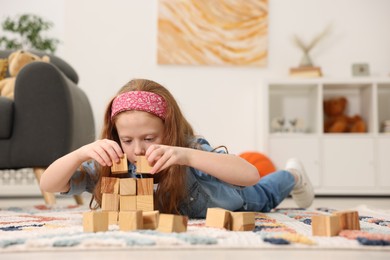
x=49 y=117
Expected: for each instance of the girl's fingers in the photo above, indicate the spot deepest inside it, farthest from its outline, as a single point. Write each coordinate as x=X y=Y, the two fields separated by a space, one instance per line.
x=106 y=151
x=157 y=166
x=96 y=156
x=154 y=154
x=151 y=149
x=113 y=150
x=162 y=162
x=162 y=156
x=116 y=147
x=101 y=153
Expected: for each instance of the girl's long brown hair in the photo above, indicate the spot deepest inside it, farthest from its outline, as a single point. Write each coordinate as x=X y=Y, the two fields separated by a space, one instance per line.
x=177 y=132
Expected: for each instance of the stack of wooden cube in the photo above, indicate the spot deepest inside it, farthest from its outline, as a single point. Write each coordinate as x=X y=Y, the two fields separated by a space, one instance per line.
x=128 y=202
x=126 y=195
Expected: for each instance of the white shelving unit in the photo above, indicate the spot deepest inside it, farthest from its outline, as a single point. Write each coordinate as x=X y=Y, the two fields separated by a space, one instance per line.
x=338 y=164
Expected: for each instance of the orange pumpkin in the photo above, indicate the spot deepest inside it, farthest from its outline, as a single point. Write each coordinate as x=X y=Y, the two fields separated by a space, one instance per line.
x=263 y=164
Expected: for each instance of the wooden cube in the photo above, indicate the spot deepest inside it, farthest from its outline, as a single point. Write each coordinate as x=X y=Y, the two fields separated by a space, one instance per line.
x=110 y=185
x=130 y=220
x=348 y=219
x=325 y=225
x=121 y=167
x=110 y=202
x=95 y=221
x=242 y=221
x=172 y=223
x=145 y=202
x=145 y=186
x=113 y=217
x=218 y=218
x=128 y=202
x=128 y=186
x=150 y=219
x=143 y=165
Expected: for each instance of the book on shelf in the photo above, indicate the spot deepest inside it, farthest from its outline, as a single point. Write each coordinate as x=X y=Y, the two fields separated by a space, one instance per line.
x=306 y=72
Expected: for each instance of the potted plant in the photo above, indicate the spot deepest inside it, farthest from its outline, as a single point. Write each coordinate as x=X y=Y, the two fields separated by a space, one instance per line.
x=27 y=30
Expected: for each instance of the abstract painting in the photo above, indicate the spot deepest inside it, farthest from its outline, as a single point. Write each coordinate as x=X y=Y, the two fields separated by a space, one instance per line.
x=213 y=32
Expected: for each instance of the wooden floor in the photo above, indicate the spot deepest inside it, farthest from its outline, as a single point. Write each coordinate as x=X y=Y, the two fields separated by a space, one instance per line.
x=282 y=253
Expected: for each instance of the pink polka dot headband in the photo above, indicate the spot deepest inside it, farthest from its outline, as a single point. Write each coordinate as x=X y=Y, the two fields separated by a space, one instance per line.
x=140 y=101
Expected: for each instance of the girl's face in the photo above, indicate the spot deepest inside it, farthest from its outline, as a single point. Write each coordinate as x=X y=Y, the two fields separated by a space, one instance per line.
x=137 y=130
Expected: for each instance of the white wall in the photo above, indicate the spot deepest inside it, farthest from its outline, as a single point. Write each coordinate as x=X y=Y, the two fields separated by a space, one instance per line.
x=111 y=42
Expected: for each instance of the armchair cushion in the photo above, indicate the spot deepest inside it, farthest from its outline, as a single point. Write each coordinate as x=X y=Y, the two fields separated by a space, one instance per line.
x=6 y=117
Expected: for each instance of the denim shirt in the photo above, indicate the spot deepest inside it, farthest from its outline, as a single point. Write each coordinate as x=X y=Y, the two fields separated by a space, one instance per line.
x=204 y=191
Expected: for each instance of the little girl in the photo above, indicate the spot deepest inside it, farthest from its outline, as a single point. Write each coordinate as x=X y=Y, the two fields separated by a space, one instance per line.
x=191 y=176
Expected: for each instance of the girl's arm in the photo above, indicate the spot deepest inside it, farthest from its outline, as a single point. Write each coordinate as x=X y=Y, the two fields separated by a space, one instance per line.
x=57 y=175
x=229 y=168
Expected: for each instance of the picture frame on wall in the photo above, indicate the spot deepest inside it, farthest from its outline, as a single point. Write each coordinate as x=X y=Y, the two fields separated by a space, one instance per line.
x=360 y=69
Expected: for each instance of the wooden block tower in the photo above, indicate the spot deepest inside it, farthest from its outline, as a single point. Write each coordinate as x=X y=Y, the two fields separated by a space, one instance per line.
x=127 y=198
x=128 y=202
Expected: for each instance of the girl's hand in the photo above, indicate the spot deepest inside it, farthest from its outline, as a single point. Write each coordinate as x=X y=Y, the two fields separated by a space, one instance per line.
x=163 y=156
x=226 y=167
x=103 y=151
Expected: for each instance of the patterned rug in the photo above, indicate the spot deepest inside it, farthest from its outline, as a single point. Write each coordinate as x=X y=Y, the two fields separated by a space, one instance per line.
x=41 y=228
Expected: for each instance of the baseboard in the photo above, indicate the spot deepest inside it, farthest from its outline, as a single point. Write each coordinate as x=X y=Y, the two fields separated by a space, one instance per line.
x=352 y=196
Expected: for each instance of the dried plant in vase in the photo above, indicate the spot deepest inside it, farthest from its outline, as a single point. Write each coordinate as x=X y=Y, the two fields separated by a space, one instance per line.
x=306 y=48
x=306 y=67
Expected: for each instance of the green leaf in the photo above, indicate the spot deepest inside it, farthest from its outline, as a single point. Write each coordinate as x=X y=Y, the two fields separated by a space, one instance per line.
x=28 y=29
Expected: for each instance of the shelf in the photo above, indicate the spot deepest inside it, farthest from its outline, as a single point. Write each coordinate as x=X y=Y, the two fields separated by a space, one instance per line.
x=288 y=105
x=337 y=163
x=383 y=98
x=359 y=100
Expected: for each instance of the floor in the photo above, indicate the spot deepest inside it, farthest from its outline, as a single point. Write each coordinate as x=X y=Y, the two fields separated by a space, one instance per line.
x=336 y=203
